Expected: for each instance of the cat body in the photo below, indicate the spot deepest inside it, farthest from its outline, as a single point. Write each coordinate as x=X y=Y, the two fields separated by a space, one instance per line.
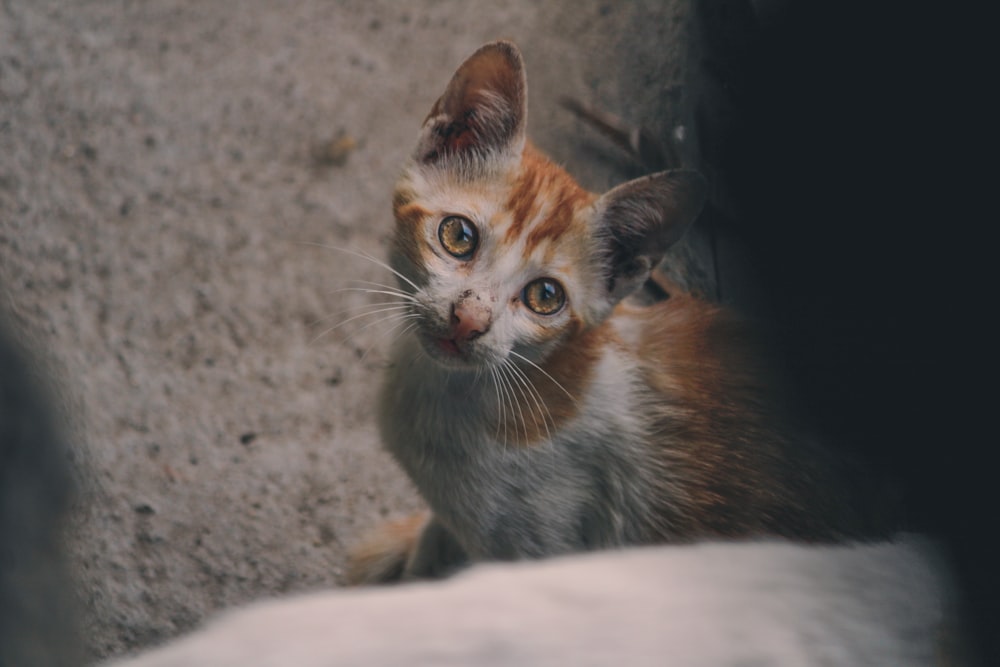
x=641 y=455
x=538 y=410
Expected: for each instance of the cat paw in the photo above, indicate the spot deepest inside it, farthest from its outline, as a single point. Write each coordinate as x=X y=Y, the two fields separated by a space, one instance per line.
x=382 y=555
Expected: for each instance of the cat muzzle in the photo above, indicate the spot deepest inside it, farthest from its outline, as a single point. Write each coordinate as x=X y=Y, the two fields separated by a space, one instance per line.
x=470 y=319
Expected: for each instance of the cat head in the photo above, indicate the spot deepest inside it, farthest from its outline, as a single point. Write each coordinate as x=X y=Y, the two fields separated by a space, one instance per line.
x=503 y=251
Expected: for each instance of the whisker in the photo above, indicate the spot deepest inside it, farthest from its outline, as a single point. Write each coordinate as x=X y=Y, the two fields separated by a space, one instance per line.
x=540 y=400
x=526 y=391
x=506 y=401
x=366 y=290
x=393 y=330
x=356 y=307
x=363 y=255
x=543 y=372
x=528 y=385
x=370 y=309
x=409 y=327
x=375 y=284
x=387 y=318
x=351 y=319
x=496 y=390
x=360 y=284
x=505 y=375
x=510 y=378
x=398 y=318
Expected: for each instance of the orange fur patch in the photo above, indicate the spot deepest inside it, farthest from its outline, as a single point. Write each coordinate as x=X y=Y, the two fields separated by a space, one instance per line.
x=409 y=217
x=401 y=197
x=722 y=433
x=410 y=214
x=523 y=201
x=382 y=555
x=572 y=366
x=541 y=181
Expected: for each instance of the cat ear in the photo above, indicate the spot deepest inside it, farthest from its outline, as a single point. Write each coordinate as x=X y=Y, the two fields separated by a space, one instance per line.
x=638 y=221
x=482 y=112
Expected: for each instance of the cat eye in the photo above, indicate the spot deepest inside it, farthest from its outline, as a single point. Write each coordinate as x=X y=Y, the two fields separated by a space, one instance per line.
x=544 y=296
x=458 y=236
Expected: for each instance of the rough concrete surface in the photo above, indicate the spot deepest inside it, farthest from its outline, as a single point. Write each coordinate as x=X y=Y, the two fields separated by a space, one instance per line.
x=173 y=177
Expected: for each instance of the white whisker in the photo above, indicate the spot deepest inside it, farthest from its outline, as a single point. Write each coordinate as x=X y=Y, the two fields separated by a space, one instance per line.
x=507 y=400
x=522 y=405
x=364 y=255
x=399 y=319
x=372 y=283
x=536 y=397
x=366 y=290
x=515 y=404
x=543 y=372
x=392 y=330
x=388 y=318
x=351 y=319
x=496 y=390
x=357 y=307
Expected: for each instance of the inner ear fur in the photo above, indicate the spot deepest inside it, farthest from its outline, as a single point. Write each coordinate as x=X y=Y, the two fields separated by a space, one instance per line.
x=482 y=111
x=639 y=220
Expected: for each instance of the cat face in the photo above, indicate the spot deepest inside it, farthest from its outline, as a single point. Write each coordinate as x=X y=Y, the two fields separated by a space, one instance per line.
x=503 y=253
x=501 y=263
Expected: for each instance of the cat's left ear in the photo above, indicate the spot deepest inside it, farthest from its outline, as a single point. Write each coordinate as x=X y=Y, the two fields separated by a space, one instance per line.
x=481 y=115
x=638 y=221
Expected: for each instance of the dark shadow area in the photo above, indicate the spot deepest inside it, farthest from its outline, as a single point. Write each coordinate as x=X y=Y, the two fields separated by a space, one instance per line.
x=37 y=600
x=825 y=145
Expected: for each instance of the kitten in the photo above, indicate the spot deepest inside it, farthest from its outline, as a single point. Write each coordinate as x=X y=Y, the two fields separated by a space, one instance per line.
x=536 y=408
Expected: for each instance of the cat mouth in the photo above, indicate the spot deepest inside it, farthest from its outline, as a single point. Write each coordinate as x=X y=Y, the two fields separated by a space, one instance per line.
x=449 y=347
x=448 y=351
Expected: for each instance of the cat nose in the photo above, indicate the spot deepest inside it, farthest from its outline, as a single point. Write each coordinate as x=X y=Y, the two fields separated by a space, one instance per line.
x=470 y=319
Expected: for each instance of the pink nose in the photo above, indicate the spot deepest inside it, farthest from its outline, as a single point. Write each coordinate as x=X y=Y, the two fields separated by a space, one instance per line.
x=469 y=320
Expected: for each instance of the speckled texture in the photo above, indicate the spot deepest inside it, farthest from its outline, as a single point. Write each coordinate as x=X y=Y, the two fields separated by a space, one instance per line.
x=171 y=174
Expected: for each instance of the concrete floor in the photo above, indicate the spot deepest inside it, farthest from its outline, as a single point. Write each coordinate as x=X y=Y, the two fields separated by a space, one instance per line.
x=173 y=178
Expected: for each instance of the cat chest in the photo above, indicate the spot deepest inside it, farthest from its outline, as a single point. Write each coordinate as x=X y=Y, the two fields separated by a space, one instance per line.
x=502 y=503
x=504 y=500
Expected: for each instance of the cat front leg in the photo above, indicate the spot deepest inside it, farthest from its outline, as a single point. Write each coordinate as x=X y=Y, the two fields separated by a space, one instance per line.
x=437 y=553
x=416 y=547
x=383 y=553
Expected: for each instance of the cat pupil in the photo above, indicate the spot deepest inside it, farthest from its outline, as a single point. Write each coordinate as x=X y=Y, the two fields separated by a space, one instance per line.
x=544 y=296
x=458 y=236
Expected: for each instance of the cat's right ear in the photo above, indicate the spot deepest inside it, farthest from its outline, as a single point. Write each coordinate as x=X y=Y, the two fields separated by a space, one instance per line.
x=480 y=118
x=638 y=221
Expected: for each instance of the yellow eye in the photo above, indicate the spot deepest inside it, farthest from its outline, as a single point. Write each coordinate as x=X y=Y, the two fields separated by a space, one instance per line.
x=458 y=236
x=544 y=296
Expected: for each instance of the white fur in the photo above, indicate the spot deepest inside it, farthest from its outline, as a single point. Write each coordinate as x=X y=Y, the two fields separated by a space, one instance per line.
x=504 y=501
x=771 y=603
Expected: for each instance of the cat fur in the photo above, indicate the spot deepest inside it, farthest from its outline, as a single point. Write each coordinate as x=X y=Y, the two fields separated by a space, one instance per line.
x=602 y=425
